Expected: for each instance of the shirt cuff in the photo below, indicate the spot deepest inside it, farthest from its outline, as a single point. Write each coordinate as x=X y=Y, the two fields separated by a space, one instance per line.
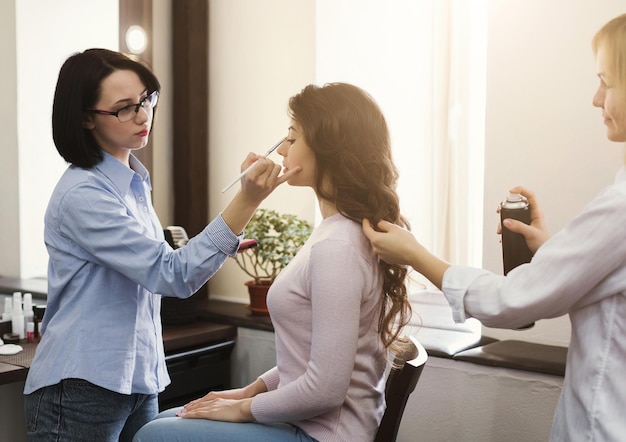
x=456 y=281
x=223 y=238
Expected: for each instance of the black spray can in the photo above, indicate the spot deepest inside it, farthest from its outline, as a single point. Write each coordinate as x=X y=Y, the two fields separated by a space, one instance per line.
x=514 y=248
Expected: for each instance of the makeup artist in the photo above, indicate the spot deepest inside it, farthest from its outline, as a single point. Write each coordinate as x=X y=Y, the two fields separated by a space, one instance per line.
x=100 y=364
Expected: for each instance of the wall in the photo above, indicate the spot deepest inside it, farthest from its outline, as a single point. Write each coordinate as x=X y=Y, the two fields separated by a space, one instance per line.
x=252 y=73
x=162 y=150
x=539 y=118
x=424 y=66
x=538 y=114
x=541 y=130
x=28 y=80
x=33 y=165
x=9 y=182
x=261 y=53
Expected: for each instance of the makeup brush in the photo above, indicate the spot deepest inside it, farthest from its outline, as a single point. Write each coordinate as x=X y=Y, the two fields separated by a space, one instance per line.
x=249 y=168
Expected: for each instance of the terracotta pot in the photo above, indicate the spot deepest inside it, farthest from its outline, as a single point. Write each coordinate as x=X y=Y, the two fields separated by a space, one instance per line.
x=258 y=296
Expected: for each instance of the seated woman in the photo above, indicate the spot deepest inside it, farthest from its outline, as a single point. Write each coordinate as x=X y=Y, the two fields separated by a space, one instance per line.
x=336 y=308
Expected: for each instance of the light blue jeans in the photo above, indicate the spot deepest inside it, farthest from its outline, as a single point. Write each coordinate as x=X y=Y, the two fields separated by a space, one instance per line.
x=167 y=427
x=75 y=410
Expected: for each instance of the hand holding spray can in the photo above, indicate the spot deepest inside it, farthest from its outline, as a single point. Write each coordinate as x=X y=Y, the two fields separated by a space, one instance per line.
x=514 y=248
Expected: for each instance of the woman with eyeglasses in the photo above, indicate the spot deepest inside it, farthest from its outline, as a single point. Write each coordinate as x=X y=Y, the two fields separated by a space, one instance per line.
x=100 y=364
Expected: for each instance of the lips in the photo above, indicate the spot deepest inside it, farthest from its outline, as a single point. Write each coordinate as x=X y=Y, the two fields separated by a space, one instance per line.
x=143 y=133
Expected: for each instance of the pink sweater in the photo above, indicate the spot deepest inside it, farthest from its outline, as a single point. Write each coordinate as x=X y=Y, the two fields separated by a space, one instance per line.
x=329 y=378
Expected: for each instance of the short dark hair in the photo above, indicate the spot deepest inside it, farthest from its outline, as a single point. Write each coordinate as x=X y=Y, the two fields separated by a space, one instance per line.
x=78 y=88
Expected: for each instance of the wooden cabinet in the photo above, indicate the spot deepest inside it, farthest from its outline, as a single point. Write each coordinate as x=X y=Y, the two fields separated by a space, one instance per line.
x=200 y=367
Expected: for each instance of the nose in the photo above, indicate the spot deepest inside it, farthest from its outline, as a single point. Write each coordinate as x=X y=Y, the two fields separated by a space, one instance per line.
x=598 y=98
x=282 y=149
x=142 y=117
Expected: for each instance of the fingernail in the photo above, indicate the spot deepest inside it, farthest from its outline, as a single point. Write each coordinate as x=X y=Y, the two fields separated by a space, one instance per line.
x=181 y=413
x=507 y=222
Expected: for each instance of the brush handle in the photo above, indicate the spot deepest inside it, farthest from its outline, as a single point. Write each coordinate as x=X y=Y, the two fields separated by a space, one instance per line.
x=249 y=168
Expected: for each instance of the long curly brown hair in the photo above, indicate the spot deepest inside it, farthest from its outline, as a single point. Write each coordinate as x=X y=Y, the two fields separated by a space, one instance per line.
x=348 y=134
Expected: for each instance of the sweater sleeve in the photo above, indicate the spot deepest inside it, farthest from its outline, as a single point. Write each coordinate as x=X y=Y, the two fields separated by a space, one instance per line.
x=271 y=378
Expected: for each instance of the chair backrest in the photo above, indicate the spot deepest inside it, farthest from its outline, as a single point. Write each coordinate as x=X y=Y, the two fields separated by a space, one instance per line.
x=400 y=384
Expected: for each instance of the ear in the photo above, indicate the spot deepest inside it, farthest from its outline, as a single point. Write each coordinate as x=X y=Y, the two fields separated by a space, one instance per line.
x=88 y=122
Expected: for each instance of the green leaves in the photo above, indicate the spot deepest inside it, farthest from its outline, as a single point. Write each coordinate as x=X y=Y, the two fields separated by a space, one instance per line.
x=280 y=236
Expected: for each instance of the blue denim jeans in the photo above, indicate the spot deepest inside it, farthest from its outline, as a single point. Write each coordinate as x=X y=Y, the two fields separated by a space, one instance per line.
x=76 y=410
x=169 y=428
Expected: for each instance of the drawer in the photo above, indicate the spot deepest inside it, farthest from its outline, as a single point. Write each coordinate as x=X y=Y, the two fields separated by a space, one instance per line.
x=195 y=372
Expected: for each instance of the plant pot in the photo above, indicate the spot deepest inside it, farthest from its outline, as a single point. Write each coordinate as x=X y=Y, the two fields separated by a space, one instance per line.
x=258 y=297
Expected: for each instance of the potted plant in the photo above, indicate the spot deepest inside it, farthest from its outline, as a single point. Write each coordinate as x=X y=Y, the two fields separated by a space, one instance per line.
x=279 y=236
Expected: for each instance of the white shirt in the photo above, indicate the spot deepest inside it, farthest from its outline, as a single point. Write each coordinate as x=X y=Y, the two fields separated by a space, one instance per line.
x=580 y=271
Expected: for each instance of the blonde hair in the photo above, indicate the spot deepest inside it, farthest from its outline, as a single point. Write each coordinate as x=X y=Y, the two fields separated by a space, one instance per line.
x=611 y=39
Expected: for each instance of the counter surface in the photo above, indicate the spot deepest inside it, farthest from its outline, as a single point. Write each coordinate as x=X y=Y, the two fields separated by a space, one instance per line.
x=176 y=338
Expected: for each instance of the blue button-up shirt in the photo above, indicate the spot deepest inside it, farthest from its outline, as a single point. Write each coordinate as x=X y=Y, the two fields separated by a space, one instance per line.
x=108 y=267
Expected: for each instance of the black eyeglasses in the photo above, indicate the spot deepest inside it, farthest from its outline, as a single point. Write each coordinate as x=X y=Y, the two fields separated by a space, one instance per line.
x=127 y=113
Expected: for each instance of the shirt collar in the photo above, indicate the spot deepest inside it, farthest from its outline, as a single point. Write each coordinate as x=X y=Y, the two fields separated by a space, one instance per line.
x=119 y=174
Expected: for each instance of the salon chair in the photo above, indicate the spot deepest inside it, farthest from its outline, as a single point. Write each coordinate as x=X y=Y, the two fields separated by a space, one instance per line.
x=401 y=382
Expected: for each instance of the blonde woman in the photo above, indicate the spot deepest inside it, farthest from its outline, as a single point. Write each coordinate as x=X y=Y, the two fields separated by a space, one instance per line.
x=581 y=271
